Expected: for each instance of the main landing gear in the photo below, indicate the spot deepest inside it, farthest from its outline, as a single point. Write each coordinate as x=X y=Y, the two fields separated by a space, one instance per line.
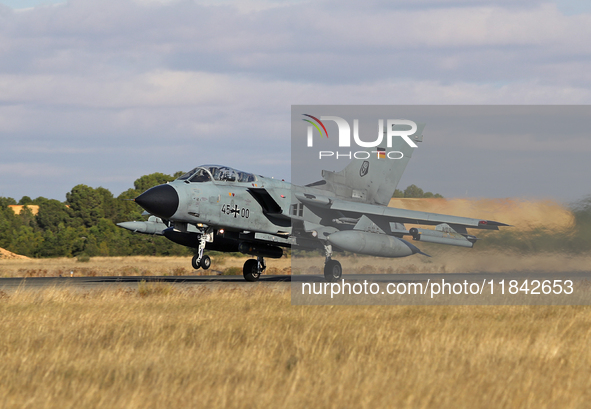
x=199 y=260
x=332 y=268
x=204 y=263
x=253 y=269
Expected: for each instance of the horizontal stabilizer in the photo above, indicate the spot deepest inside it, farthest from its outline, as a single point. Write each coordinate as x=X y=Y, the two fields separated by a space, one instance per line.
x=351 y=209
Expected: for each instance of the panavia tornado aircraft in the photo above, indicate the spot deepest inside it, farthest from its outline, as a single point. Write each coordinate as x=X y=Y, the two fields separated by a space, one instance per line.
x=219 y=208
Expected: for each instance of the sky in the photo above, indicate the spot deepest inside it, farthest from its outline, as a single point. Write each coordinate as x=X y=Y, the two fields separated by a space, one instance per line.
x=103 y=92
x=465 y=148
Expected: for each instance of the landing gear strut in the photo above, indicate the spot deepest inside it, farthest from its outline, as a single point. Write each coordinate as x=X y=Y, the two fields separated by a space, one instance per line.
x=253 y=269
x=332 y=268
x=199 y=260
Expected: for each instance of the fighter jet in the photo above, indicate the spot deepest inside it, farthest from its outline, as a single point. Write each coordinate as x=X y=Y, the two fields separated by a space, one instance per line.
x=215 y=207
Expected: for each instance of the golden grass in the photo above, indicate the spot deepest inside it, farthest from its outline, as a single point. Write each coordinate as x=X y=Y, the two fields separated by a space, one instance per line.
x=127 y=266
x=445 y=260
x=17 y=209
x=237 y=348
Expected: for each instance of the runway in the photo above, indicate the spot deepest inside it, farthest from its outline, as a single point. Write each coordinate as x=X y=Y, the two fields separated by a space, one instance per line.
x=133 y=281
x=272 y=281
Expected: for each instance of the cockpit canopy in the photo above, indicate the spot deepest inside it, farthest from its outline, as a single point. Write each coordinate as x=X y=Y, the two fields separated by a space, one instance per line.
x=207 y=173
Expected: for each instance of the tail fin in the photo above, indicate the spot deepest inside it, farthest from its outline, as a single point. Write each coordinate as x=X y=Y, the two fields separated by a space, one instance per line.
x=375 y=179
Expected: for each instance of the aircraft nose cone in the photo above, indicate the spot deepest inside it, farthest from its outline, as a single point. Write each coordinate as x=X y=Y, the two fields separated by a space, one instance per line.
x=161 y=200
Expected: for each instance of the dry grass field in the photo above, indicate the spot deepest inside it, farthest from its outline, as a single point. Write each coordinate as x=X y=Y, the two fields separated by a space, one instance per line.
x=162 y=347
x=248 y=347
x=444 y=260
x=129 y=266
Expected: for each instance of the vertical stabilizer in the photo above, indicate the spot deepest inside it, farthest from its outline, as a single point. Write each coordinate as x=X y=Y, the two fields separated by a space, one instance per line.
x=373 y=180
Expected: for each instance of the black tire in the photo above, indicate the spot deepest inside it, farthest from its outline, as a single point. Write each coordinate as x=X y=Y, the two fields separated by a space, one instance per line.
x=194 y=263
x=332 y=271
x=251 y=270
x=205 y=262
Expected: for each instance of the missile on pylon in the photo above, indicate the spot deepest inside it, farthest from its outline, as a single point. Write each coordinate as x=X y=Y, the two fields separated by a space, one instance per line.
x=442 y=237
x=154 y=225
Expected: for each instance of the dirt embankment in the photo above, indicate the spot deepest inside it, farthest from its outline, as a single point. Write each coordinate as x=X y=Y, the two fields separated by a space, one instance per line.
x=7 y=255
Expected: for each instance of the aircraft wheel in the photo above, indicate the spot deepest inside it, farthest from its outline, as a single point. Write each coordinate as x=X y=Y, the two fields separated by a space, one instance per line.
x=251 y=270
x=205 y=262
x=194 y=263
x=332 y=271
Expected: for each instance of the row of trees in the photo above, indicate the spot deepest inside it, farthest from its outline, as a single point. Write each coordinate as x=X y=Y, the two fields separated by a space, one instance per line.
x=86 y=223
x=415 y=192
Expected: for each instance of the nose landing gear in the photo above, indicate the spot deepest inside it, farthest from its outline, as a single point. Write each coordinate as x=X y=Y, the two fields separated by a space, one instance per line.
x=200 y=260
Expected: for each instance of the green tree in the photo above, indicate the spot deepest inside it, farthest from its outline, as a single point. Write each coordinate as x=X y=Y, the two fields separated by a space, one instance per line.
x=109 y=203
x=413 y=191
x=52 y=214
x=431 y=195
x=6 y=201
x=85 y=223
x=127 y=209
x=50 y=247
x=40 y=200
x=8 y=221
x=25 y=200
x=71 y=240
x=147 y=181
x=27 y=218
x=26 y=241
x=86 y=204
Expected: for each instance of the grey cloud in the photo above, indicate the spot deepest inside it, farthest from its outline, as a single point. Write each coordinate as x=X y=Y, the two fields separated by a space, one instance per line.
x=311 y=42
x=114 y=89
